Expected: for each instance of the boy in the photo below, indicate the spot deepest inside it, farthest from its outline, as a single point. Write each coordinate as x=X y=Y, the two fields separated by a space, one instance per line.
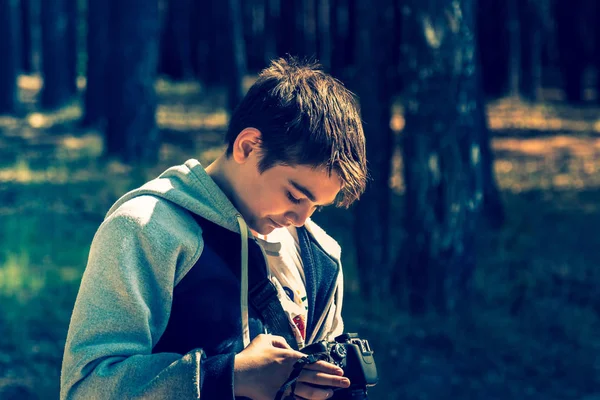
x=168 y=302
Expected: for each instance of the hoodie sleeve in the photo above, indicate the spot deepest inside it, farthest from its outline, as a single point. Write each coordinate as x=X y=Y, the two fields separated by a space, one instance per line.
x=122 y=309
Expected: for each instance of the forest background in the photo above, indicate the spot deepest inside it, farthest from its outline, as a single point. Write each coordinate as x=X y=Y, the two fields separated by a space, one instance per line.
x=474 y=273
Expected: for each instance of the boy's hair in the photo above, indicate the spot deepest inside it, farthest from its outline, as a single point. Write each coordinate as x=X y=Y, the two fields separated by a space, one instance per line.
x=306 y=117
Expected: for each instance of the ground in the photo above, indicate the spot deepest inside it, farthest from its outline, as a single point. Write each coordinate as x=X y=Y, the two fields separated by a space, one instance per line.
x=532 y=329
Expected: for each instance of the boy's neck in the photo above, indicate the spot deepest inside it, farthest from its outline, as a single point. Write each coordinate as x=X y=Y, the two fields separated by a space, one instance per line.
x=220 y=172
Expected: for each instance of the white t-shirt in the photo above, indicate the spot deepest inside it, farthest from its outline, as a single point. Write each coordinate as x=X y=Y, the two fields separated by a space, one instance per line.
x=282 y=250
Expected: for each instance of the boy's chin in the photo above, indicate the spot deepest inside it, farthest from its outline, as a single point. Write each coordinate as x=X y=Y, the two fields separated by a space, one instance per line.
x=263 y=229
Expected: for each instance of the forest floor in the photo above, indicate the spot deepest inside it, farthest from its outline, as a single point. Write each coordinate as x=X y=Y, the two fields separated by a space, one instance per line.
x=533 y=329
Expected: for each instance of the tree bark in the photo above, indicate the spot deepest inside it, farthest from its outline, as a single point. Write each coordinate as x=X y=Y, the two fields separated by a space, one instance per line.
x=441 y=153
x=272 y=21
x=72 y=45
x=236 y=55
x=514 y=34
x=95 y=98
x=9 y=45
x=26 y=37
x=493 y=42
x=131 y=132
x=323 y=10
x=570 y=48
x=372 y=212
x=288 y=37
x=308 y=29
x=55 y=65
x=175 y=42
x=531 y=49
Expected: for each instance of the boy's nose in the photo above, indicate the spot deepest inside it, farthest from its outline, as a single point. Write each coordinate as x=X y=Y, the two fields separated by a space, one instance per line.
x=298 y=217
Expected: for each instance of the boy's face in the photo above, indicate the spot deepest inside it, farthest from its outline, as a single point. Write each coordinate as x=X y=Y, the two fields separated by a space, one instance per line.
x=280 y=196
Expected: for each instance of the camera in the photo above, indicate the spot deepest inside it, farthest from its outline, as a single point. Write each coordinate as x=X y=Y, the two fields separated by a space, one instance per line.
x=355 y=357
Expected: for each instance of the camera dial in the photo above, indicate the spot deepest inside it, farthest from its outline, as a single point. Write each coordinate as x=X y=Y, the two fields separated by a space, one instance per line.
x=338 y=352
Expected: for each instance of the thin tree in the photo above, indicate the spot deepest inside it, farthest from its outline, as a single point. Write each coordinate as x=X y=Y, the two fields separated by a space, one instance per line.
x=98 y=44
x=55 y=66
x=530 y=16
x=272 y=21
x=323 y=12
x=211 y=42
x=441 y=153
x=571 y=49
x=9 y=45
x=493 y=44
x=372 y=212
x=26 y=37
x=235 y=55
x=72 y=20
x=175 y=43
x=131 y=131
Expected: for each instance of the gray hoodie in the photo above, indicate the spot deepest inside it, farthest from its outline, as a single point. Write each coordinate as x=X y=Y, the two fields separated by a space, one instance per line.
x=145 y=246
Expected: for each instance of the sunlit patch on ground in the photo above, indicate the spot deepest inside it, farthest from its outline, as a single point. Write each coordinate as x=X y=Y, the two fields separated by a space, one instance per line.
x=536 y=280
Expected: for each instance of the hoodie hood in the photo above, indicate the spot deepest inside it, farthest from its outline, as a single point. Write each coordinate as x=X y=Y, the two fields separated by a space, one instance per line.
x=190 y=187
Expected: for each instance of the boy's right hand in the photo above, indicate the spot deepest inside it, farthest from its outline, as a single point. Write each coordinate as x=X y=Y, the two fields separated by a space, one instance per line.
x=264 y=366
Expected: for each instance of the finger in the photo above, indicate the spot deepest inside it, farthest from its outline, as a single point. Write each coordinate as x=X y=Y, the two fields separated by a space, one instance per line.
x=326 y=367
x=279 y=342
x=323 y=379
x=305 y=391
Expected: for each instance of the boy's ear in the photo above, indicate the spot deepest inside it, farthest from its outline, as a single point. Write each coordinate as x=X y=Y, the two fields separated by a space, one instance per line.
x=246 y=144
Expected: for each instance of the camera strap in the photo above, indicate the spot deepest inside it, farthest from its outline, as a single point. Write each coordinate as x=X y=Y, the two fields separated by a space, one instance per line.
x=262 y=293
x=298 y=367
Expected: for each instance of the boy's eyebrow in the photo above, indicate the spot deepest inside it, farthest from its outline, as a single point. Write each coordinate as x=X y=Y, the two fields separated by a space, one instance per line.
x=302 y=189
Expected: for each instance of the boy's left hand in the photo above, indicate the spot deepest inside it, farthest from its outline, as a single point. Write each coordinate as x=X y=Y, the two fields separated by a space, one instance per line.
x=323 y=374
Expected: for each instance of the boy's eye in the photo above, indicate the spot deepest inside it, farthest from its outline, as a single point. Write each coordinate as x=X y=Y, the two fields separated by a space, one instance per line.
x=292 y=198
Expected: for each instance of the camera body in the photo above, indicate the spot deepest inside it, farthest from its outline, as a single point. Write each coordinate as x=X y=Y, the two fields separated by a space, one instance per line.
x=355 y=357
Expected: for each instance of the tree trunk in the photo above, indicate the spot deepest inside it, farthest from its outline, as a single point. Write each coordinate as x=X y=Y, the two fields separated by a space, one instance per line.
x=441 y=153
x=531 y=49
x=131 y=132
x=9 y=45
x=343 y=32
x=372 y=212
x=175 y=48
x=253 y=23
x=596 y=51
x=492 y=208
x=308 y=27
x=72 y=44
x=95 y=98
x=338 y=18
x=324 y=33
x=236 y=55
x=211 y=43
x=493 y=42
x=272 y=21
x=570 y=48
x=26 y=37
x=287 y=38
x=55 y=62
x=514 y=34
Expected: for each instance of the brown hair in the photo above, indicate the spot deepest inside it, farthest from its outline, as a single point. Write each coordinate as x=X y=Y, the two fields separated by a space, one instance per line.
x=306 y=117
